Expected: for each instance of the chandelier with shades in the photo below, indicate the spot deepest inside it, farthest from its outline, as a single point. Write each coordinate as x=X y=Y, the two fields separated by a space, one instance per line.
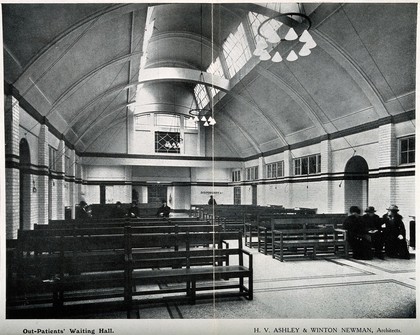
x=272 y=32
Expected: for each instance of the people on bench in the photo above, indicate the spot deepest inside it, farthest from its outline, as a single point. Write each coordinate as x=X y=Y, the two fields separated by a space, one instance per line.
x=133 y=211
x=84 y=212
x=118 y=211
x=394 y=234
x=358 y=236
x=163 y=210
x=373 y=223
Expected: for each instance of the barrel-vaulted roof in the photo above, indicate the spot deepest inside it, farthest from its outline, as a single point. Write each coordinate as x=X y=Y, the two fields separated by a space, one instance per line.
x=79 y=65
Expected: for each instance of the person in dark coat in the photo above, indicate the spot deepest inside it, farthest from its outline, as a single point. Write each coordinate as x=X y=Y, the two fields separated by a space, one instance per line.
x=85 y=211
x=212 y=201
x=118 y=211
x=163 y=210
x=133 y=211
x=373 y=223
x=394 y=234
x=358 y=238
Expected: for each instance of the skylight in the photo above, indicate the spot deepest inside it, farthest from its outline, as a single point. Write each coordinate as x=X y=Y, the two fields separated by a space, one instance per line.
x=201 y=95
x=236 y=50
x=216 y=69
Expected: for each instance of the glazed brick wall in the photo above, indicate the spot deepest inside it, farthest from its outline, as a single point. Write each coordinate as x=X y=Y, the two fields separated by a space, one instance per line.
x=43 y=161
x=11 y=122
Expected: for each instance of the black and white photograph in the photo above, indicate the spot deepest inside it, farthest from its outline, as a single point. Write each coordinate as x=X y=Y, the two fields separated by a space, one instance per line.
x=208 y=168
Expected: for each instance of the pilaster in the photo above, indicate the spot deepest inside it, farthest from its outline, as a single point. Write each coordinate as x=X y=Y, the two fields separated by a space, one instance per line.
x=11 y=120
x=43 y=161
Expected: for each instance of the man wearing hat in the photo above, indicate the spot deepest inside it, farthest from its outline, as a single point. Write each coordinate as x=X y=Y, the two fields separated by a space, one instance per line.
x=373 y=223
x=394 y=234
x=358 y=238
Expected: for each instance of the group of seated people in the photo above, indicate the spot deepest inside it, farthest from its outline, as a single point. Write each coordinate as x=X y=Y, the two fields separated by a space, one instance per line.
x=118 y=211
x=370 y=235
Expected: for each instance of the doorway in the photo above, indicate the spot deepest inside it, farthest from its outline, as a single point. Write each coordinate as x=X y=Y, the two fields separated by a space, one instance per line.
x=254 y=195
x=356 y=177
x=25 y=188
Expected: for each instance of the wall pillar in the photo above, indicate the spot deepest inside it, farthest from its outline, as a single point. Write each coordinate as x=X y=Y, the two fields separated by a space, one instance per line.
x=288 y=174
x=60 y=164
x=43 y=161
x=387 y=159
x=326 y=169
x=11 y=120
x=73 y=196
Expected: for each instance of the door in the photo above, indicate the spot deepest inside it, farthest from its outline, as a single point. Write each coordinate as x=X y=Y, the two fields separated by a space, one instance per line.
x=254 y=195
x=237 y=195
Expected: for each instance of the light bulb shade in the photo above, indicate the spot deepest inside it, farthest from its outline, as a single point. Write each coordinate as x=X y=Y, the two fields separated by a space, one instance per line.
x=212 y=121
x=174 y=145
x=206 y=124
x=196 y=119
x=261 y=44
x=276 y=58
x=258 y=52
x=310 y=44
x=265 y=55
x=305 y=37
x=291 y=57
x=291 y=35
x=273 y=37
x=305 y=51
x=204 y=119
x=167 y=144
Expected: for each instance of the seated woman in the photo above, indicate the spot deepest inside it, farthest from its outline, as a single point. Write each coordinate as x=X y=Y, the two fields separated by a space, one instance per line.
x=358 y=237
x=164 y=210
x=394 y=234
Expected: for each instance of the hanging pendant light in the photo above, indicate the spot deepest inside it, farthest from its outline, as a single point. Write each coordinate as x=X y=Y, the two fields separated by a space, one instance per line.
x=292 y=56
x=204 y=119
x=212 y=122
x=305 y=51
x=305 y=37
x=257 y=52
x=262 y=44
x=265 y=55
x=311 y=44
x=291 y=35
x=273 y=37
x=276 y=58
x=195 y=119
x=268 y=31
x=206 y=124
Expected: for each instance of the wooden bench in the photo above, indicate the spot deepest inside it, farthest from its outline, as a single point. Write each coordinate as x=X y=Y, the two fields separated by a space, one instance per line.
x=120 y=223
x=266 y=225
x=296 y=243
x=54 y=275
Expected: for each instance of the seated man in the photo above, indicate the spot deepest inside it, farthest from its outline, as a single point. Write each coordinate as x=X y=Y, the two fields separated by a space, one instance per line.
x=373 y=227
x=118 y=211
x=85 y=211
x=358 y=238
x=133 y=211
x=164 y=210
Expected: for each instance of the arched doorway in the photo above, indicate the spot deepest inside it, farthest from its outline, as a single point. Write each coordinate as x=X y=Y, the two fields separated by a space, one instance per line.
x=356 y=176
x=25 y=185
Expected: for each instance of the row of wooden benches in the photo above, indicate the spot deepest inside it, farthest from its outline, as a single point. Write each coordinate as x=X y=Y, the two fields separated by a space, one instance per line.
x=298 y=236
x=51 y=271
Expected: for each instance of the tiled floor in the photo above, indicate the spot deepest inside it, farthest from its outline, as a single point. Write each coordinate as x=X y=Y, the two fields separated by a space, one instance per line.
x=333 y=288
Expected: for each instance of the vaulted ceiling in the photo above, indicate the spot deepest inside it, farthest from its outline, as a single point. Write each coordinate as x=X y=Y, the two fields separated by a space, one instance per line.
x=79 y=64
